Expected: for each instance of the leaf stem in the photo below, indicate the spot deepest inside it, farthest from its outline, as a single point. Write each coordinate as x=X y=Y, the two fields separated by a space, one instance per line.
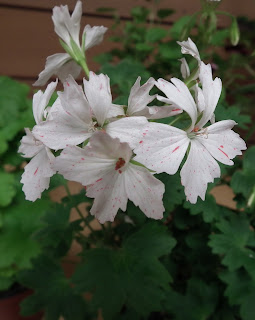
x=84 y=66
x=78 y=210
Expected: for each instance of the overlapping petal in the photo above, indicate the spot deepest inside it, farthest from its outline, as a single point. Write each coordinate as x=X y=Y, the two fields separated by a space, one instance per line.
x=199 y=169
x=179 y=95
x=93 y=35
x=59 y=64
x=189 y=47
x=98 y=94
x=36 y=177
x=211 y=90
x=127 y=129
x=222 y=142
x=41 y=100
x=29 y=145
x=162 y=147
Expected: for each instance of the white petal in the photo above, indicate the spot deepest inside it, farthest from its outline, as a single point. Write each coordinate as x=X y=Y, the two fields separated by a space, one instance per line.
x=29 y=145
x=67 y=26
x=77 y=164
x=162 y=147
x=163 y=112
x=189 y=47
x=184 y=68
x=68 y=68
x=145 y=191
x=110 y=196
x=73 y=100
x=59 y=64
x=41 y=100
x=93 y=36
x=199 y=169
x=115 y=111
x=222 y=142
x=36 y=177
x=64 y=129
x=58 y=17
x=98 y=93
x=94 y=161
x=127 y=129
x=139 y=96
x=211 y=92
x=179 y=95
x=200 y=100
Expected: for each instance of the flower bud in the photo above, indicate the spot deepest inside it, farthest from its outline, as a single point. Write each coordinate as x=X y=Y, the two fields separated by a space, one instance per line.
x=234 y=32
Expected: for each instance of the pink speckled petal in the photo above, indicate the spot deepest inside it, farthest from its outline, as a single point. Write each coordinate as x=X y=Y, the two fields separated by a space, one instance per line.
x=145 y=191
x=36 y=177
x=199 y=169
x=222 y=142
x=162 y=147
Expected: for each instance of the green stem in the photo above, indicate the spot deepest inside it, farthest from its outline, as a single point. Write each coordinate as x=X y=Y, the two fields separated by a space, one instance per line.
x=78 y=210
x=175 y=120
x=84 y=66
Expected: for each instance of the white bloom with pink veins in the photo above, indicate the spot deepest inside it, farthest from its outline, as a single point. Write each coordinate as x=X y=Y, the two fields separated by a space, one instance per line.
x=163 y=147
x=83 y=114
x=68 y=27
x=105 y=169
x=138 y=101
x=36 y=177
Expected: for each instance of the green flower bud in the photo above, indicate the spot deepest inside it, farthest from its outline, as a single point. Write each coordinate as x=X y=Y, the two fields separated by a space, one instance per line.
x=234 y=32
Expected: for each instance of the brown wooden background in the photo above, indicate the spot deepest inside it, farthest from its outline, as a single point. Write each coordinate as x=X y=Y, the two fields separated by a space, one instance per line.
x=27 y=36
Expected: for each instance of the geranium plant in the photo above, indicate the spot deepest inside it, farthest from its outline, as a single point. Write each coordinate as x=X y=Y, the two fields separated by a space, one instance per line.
x=193 y=261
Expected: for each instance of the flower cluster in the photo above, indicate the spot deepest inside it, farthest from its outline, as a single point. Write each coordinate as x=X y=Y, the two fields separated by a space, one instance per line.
x=114 y=150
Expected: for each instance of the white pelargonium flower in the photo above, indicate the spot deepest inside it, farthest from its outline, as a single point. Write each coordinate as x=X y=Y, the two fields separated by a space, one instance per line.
x=36 y=177
x=163 y=147
x=189 y=47
x=104 y=167
x=80 y=115
x=138 y=101
x=68 y=29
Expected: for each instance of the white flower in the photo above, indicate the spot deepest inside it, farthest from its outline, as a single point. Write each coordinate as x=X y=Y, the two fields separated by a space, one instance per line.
x=163 y=147
x=36 y=177
x=189 y=47
x=68 y=29
x=83 y=114
x=105 y=169
x=139 y=99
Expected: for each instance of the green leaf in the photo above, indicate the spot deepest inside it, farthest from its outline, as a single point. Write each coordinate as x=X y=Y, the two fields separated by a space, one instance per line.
x=233 y=112
x=164 y=13
x=243 y=181
x=233 y=240
x=198 y=303
x=155 y=34
x=174 y=194
x=17 y=243
x=240 y=291
x=169 y=50
x=133 y=275
x=208 y=208
x=7 y=188
x=178 y=26
x=140 y=14
x=53 y=292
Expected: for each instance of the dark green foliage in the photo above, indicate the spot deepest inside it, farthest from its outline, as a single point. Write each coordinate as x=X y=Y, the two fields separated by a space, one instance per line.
x=53 y=292
x=131 y=276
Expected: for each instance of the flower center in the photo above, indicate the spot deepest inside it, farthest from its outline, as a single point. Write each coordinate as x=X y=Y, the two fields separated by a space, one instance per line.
x=196 y=132
x=93 y=127
x=119 y=164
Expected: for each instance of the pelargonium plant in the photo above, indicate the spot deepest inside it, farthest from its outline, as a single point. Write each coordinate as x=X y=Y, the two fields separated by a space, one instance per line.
x=115 y=151
x=197 y=260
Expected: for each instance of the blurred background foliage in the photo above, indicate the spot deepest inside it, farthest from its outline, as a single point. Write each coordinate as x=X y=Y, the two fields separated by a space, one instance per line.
x=198 y=262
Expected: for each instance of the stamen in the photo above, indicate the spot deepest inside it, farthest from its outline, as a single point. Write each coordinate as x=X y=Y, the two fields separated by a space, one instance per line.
x=119 y=164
